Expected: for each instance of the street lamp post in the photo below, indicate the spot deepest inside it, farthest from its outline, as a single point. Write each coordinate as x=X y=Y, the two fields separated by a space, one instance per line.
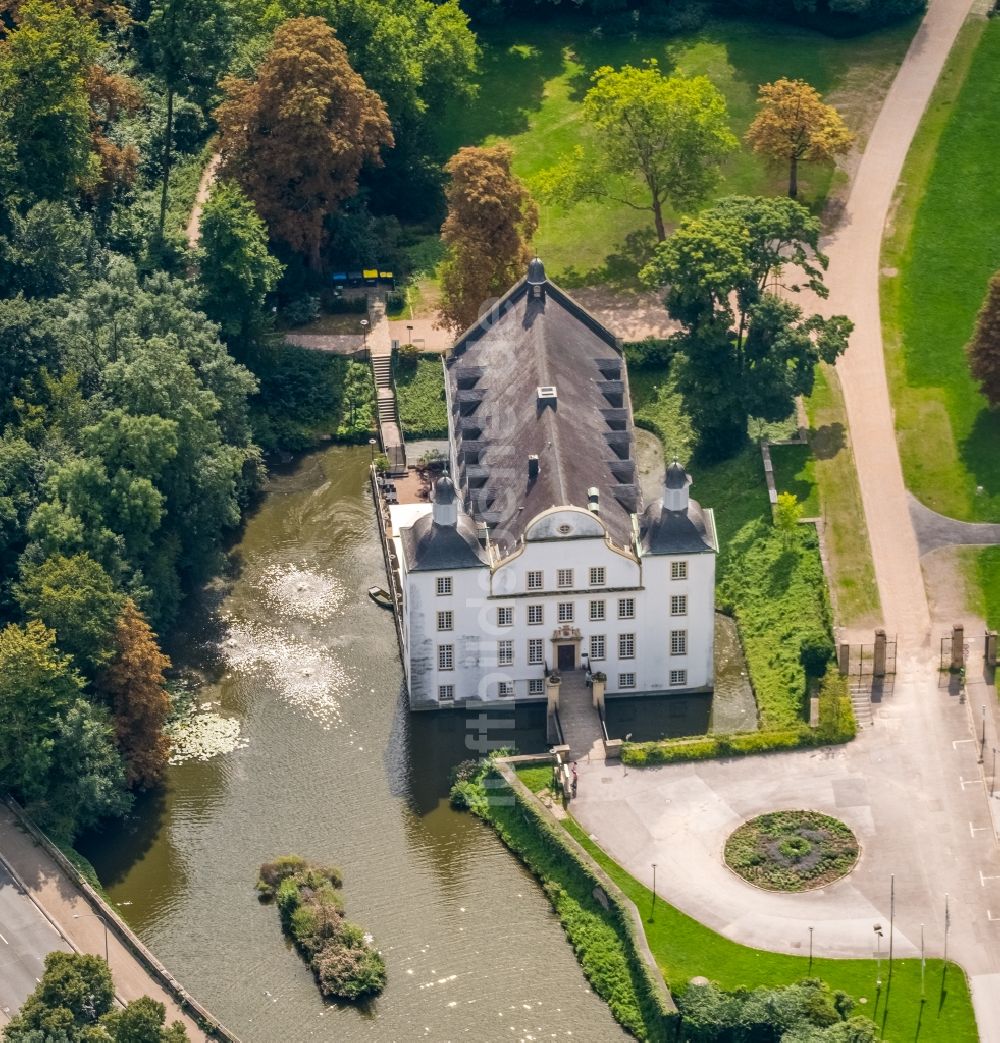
x=628 y=738
x=878 y=955
x=104 y=924
x=810 y=949
x=652 y=913
x=409 y=334
x=364 y=332
x=982 y=744
x=993 y=774
x=371 y=446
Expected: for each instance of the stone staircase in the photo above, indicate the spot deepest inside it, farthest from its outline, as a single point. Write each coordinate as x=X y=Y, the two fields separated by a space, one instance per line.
x=390 y=433
x=581 y=726
x=861 y=701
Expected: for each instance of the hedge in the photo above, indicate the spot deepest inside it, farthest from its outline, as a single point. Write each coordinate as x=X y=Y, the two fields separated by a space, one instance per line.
x=836 y=725
x=604 y=939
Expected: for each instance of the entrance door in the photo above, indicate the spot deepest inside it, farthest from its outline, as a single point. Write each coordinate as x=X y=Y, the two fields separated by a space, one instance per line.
x=567 y=657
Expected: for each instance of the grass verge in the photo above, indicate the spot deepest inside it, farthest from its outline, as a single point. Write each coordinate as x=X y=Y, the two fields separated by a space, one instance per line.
x=852 y=573
x=683 y=948
x=943 y=246
x=795 y=472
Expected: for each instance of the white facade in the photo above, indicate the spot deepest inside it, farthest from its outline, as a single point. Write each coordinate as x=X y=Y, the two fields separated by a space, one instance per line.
x=561 y=600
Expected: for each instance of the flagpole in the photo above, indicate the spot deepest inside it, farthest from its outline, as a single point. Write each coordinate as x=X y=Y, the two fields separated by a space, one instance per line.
x=923 y=964
x=947 y=924
x=892 y=915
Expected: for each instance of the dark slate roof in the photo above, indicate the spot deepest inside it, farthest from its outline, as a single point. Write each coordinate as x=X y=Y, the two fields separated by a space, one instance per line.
x=429 y=548
x=444 y=490
x=676 y=476
x=583 y=438
x=676 y=532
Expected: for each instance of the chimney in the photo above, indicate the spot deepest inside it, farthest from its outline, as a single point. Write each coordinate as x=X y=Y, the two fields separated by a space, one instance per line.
x=532 y=467
x=594 y=500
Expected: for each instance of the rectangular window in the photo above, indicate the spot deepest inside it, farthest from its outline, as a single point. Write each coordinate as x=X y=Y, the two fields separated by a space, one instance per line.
x=534 y=581
x=678 y=570
x=446 y=657
x=596 y=611
x=444 y=584
x=564 y=578
x=505 y=689
x=626 y=680
x=678 y=642
x=678 y=678
x=678 y=604
x=505 y=617
x=597 y=646
x=626 y=608
x=626 y=646
x=597 y=577
x=565 y=611
x=446 y=692
x=536 y=651
x=536 y=686
x=445 y=621
x=536 y=615
x=505 y=653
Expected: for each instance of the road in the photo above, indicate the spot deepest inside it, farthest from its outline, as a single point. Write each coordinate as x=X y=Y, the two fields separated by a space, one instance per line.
x=25 y=939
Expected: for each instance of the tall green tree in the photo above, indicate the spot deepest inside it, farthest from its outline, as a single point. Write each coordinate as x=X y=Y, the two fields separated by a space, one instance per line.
x=746 y=348
x=669 y=133
x=75 y=991
x=45 y=140
x=77 y=599
x=190 y=42
x=984 y=348
x=237 y=270
x=37 y=687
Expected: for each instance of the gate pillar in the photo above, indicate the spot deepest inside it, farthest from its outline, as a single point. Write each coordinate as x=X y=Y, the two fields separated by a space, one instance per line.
x=957 y=646
x=878 y=667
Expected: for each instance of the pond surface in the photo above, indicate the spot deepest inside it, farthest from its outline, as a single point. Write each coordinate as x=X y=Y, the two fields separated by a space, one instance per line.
x=337 y=770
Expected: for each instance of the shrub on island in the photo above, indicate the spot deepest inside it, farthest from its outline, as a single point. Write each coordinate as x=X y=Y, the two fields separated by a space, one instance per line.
x=341 y=954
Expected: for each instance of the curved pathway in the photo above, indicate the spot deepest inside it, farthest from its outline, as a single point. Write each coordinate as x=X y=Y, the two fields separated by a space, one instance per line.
x=935 y=530
x=911 y=786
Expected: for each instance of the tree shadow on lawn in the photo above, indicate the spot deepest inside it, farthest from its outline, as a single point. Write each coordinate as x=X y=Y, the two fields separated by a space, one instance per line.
x=517 y=62
x=827 y=440
x=978 y=453
x=620 y=268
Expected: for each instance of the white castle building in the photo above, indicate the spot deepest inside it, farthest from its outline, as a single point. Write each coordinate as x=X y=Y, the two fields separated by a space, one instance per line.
x=537 y=554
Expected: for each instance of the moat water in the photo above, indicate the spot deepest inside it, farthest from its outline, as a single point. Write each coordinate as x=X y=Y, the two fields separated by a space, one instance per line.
x=336 y=769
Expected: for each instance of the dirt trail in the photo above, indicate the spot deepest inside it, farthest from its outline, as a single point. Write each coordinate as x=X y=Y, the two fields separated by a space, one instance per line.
x=193 y=230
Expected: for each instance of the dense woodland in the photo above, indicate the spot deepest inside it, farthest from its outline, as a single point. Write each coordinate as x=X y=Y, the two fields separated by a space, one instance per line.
x=139 y=379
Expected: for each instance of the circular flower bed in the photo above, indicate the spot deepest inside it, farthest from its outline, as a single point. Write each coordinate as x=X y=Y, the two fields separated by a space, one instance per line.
x=792 y=850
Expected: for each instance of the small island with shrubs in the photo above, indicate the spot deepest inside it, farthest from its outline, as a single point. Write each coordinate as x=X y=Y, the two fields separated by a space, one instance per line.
x=341 y=954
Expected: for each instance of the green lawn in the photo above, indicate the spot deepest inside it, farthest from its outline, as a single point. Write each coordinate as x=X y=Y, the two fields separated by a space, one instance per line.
x=684 y=948
x=795 y=472
x=855 y=593
x=535 y=776
x=420 y=396
x=945 y=244
x=535 y=73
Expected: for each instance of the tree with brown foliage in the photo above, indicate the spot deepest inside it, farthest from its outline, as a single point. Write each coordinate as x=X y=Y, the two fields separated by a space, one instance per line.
x=793 y=124
x=296 y=138
x=134 y=685
x=984 y=348
x=111 y=95
x=491 y=219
